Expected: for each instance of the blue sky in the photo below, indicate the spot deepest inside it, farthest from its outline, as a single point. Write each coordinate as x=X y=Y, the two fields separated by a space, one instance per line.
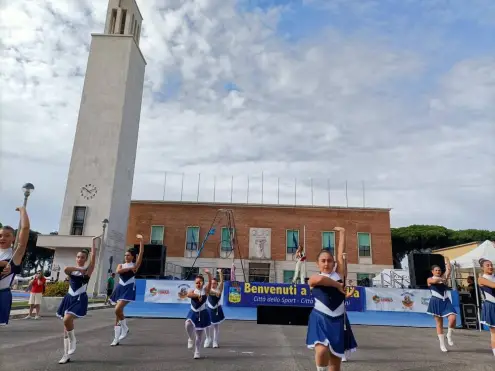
x=398 y=94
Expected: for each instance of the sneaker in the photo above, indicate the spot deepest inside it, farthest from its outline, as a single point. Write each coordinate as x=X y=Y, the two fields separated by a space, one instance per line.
x=190 y=344
x=28 y=317
x=196 y=355
x=207 y=343
x=37 y=317
x=215 y=344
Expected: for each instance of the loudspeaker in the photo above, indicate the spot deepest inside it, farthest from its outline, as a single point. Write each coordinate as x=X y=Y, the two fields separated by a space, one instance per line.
x=420 y=268
x=154 y=259
x=278 y=315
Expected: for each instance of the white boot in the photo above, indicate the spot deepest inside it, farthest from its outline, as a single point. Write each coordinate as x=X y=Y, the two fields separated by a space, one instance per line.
x=190 y=343
x=125 y=329
x=65 y=358
x=442 y=343
x=450 y=341
x=117 y=330
x=72 y=342
x=208 y=342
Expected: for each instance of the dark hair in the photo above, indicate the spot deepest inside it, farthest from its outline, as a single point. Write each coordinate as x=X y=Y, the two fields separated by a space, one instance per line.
x=323 y=251
x=435 y=266
x=482 y=262
x=132 y=251
x=200 y=276
x=8 y=228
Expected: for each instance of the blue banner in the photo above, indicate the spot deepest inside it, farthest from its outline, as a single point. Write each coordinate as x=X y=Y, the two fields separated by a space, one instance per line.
x=252 y=294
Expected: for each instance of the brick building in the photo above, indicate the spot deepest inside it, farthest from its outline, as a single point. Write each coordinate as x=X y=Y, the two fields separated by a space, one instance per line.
x=182 y=227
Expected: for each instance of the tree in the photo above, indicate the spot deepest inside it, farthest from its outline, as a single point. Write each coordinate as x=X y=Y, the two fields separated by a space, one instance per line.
x=427 y=238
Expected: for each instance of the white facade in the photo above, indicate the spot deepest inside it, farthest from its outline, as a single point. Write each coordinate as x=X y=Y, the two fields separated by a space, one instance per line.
x=101 y=172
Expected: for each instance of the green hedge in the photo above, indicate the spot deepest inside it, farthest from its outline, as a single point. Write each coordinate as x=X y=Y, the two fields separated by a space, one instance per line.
x=58 y=289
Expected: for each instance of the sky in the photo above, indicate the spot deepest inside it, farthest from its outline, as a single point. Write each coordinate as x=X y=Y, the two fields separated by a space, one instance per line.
x=394 y=99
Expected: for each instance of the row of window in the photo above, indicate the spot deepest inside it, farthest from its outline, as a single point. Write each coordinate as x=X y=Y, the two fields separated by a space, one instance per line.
x=227 y=236
x=292 y=239
x=362 y=279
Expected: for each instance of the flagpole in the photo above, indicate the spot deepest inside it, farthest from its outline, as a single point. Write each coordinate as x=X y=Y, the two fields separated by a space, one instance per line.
x=304 y=252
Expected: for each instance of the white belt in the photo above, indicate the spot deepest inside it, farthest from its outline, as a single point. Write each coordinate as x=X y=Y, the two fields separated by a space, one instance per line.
x=437 y=295
x=128 y=282
x=320 y=307
x=203 y=307
x=79 y=291
x=211 y=306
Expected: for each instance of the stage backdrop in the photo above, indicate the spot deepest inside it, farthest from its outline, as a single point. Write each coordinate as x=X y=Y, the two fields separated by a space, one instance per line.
x=243 y=294
x=165 y=291
x=397 y=300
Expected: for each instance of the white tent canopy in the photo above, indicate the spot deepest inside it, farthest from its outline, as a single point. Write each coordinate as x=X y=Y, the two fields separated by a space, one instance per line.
x=485 y=250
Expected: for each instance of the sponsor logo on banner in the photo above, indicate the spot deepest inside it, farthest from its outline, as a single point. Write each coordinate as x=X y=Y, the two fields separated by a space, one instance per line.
x=163 y=291
x=407 y=300
x=378 y=299
x=252 y=294
x=397 y=300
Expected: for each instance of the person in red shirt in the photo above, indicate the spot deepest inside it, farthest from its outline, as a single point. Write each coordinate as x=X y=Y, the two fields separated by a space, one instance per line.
x=37 y=288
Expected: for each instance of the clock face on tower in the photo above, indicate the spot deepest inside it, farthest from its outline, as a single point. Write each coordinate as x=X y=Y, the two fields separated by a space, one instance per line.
x=89 y=191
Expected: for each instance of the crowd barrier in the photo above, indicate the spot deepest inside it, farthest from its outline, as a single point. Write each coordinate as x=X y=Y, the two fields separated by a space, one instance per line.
x=366 y=305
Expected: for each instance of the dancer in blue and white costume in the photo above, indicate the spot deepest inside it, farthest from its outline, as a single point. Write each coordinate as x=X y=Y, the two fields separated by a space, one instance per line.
x=75 y=302
x=198 y=318
x=487 y=286
x=10 y=262
x=329 y=333
x=214 y=307
x=440 y=305
x=125 y=292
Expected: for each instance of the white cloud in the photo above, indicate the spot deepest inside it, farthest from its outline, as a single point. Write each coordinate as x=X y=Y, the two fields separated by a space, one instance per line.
x=330 y=106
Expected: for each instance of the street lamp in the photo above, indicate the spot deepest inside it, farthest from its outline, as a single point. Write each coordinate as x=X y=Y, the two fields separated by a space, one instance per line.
x=96 y=289
x=27 y=188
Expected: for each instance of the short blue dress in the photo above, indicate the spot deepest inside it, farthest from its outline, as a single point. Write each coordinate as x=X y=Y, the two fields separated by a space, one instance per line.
x=126 y=288
x=327 y=319
x=198 y=314
x=6 y=284
x=440 y=304
x=488 y=308
x=214 y=307
x=75 y=302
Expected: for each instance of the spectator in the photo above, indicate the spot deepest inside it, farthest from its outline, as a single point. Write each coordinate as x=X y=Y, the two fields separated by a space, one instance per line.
x=110 y=286
x=37 y=285
x=471 y=288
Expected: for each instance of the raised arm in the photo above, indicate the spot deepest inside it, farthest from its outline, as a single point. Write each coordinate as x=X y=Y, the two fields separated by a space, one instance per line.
x=448 y=268
x=435 y=280
x=341 y=266
x=208 y=285
x=350 y=292
x=23 y=231
x=121 y=270
x=92 y=258
x=220 y=285
x=192 y=295
x=482 y=281
x=319 y=280
x=139 y=259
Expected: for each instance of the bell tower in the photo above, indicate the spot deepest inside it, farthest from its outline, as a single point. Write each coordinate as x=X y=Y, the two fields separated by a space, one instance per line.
x=101 y=172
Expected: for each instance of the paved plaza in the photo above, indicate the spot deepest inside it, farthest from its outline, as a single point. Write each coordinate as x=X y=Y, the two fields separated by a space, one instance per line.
x=160 y=344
